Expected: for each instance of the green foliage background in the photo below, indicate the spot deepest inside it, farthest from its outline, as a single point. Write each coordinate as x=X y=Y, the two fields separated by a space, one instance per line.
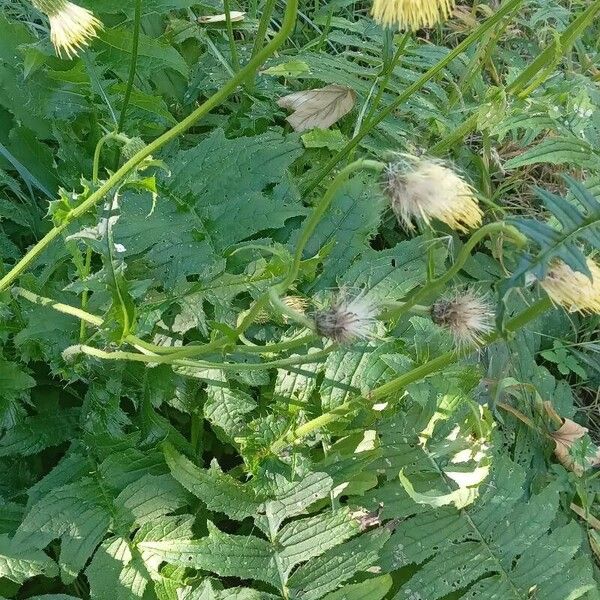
x=127 y=481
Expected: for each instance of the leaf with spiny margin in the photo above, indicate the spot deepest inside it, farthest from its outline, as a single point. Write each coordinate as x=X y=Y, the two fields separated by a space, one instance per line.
x=79 y=513
x=578 y=224
x=296 y=385
x=304 y=539
x=350 y=371
x=389 y=275
x=226 y=409
x=210 y=589
x=324 y=574
x=19 y=563
x=244 y=556
x=154 y=54
x=71 y=467
x=115 y=573
x=370 y=589
x=291 y=498
x=149 y=498
x=349 y=223
x=500 y=547
x=557 y=151
x=173 y=528
x=15 y=384
x=220 y=492
x=218 y=195
x=38 y=432
x=11 y=515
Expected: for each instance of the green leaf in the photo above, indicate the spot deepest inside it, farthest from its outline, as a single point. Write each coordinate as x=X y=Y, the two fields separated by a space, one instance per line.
x=460 y=497
x=149 y=498
x=327 y=572
x=78 y=513
x=226 y=408
x=244 y=556
x=306 y=538
x=210 y=207
x=370 y=589
x=36 y=433
x=220 y=492
x=291 y=498
x=116 y=573
x=577 y=223
x=349 y=223
x=557 y=151
x=153 y=54
x=19 y=563
x=291 y=68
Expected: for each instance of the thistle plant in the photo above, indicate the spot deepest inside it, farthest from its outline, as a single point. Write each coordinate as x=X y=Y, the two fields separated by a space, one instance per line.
x=241 y=361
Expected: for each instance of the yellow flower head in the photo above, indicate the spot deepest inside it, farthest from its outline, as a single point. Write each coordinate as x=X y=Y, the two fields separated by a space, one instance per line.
x=411 y=14
x=573 y=290
x=428 y=190
x=71 y=26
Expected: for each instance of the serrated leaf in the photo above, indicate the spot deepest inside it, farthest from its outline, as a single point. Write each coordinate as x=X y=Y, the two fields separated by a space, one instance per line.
x=36 y=433
x=115 y=573
x=557 y=151
x=370 y=589
x=327 y=572
x=19 y=563
x=149 y=498
x=77 y=513
x=220 y=492
x=244 y=556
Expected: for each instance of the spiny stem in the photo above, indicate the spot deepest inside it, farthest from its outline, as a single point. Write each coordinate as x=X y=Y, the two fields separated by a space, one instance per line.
x=135 y=44
x=180 y=352
x=439 y=282
x=314 y=357
x=412 y=89
x=397 y=385
x=216 y=99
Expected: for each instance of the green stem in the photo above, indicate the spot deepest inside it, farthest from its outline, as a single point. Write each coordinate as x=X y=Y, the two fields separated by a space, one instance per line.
x=135 y=44
x=85 y=294
x=259 y=40
x=397 y=385
x=530 y=79
x=113 y=135
x=286 y=28
x=434 y=285
x=235 y=59
x=263 y=25
x=182 y=352
x=315 y=357
x=503 y=11
x=320 y=209
x=387 y=73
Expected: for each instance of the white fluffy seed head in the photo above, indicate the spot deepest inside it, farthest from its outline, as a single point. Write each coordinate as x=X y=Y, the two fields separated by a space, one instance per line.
x=467 y=315
x=421 y=189
x=347 y=319
x=71 y=26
